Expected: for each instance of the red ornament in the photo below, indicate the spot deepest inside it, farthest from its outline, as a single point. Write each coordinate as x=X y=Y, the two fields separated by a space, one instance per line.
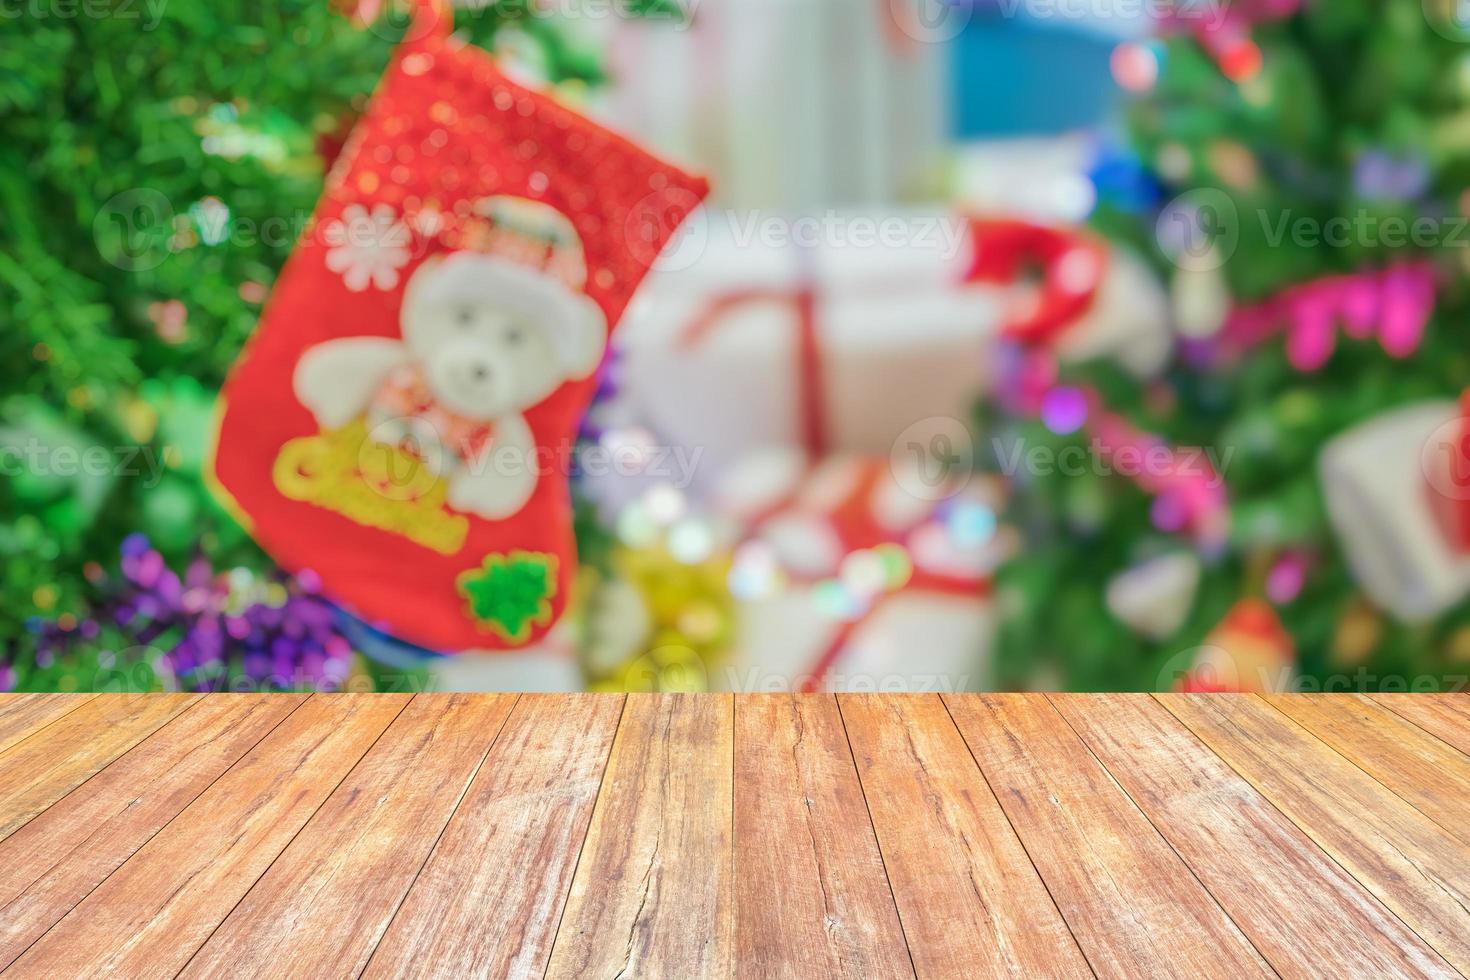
x=475 y=245
x=1248 y=650
x=1448 y=485
x=1070 y=264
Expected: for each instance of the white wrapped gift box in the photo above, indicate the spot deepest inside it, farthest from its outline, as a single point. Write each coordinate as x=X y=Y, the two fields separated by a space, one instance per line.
x=828 y=619
x=713 y=346
x=838 y=332
x=1377 y=479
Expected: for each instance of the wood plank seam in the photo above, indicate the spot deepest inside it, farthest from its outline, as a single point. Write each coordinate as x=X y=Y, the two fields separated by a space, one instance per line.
x=1011 y=823
x=164 y=922
x=1164 y=837
x=1113 y=871
x=582 y=845
x=812 y=896
x=1340 y=750
x=159 y=829
x=1394 y=705
x=652 y=894
x=81 y=699
x=1243 y=803
x=882 y=858
x=317 y=809
x=110 y=764
x=1287 y=817
x=114 y=724
x=1292 y=724
x=455 y=809
x=976 y=905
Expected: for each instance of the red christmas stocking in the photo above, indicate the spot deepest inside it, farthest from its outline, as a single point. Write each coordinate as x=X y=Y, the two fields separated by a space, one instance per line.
x=403 y=421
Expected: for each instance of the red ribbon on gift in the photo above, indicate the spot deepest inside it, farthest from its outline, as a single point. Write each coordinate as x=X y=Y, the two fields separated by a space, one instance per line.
x=1448 y=490
x=855 y=527
x=1070 y=265
x=1189 y=496
x=811 y=396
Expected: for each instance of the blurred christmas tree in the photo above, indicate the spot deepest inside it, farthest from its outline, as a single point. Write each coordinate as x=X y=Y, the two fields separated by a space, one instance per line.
x=1313 y=158
x=158 y=163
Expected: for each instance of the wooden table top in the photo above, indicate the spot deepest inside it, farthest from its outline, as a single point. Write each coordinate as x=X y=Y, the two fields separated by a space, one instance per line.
x=689 y=836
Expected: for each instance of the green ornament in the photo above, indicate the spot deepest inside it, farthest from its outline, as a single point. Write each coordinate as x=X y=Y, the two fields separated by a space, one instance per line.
x=508 y=594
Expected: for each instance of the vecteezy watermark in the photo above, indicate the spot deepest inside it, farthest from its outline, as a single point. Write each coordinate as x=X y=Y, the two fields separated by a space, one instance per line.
x=413 y=21
x=669 y=231
x=930 y=21
x=1448 y=18
x=1444 y=461
x=1207 y=14
x=1199 y=230
x=36 y=458
x=147 y=12
x=933 y=458
x=139 y=229
x=1212 y=668
x=1363 y=228
x=753 y=680
x=1015 y=457
x=407 y=454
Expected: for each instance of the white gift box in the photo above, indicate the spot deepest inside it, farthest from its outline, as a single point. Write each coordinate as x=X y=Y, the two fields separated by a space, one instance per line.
x=832 y=623
x=911 y=642
x=712 y=346
x=1377 y=479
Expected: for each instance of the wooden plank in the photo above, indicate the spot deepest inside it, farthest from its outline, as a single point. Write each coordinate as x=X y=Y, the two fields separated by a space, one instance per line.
x=811 y=895
x=156 y=910
x=488 y=900
x=1445 y=716
x=1409 y=862
x=23 y=714
x=51 y=863
x=971 y=903
x=324 y=904
x=1118 y=883
x=1305 y=915
x=1431 y=775
x=36 y=772
x=652 y=895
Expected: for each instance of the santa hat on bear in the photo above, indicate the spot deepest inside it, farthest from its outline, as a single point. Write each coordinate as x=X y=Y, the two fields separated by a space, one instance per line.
x=530 y=257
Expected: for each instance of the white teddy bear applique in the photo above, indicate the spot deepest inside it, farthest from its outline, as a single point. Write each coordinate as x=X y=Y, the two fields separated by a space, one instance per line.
x=483 y=339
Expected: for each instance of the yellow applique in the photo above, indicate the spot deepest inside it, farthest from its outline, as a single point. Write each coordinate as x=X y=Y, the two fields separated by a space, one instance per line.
x=373 y=484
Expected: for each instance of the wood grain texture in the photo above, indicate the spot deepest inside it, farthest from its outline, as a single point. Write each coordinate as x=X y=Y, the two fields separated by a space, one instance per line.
x=36 y=772
x=1445 y=716
x=1425 y=771
x=326 y=901
x=694 y=836
x=51 y=863
x=1306 y=915
x=1119 y=885
x=811 y=893
x=21 y=715
x=489 y=898
x=151 y=915
x=1409 y=862
x=652 y=896
x=969 y=899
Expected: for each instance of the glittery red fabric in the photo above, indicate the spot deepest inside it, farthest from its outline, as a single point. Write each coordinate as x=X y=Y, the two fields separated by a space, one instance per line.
x=444 y=131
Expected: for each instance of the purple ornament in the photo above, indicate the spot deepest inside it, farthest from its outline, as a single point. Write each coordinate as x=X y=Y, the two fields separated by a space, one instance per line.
x=1064 y=409
x=1380 y=176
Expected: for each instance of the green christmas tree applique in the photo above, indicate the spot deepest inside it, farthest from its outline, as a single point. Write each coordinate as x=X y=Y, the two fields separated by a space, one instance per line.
x=508 y=594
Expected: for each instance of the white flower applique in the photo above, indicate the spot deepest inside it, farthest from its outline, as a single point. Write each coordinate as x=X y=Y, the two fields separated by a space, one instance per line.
x=367 y=248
